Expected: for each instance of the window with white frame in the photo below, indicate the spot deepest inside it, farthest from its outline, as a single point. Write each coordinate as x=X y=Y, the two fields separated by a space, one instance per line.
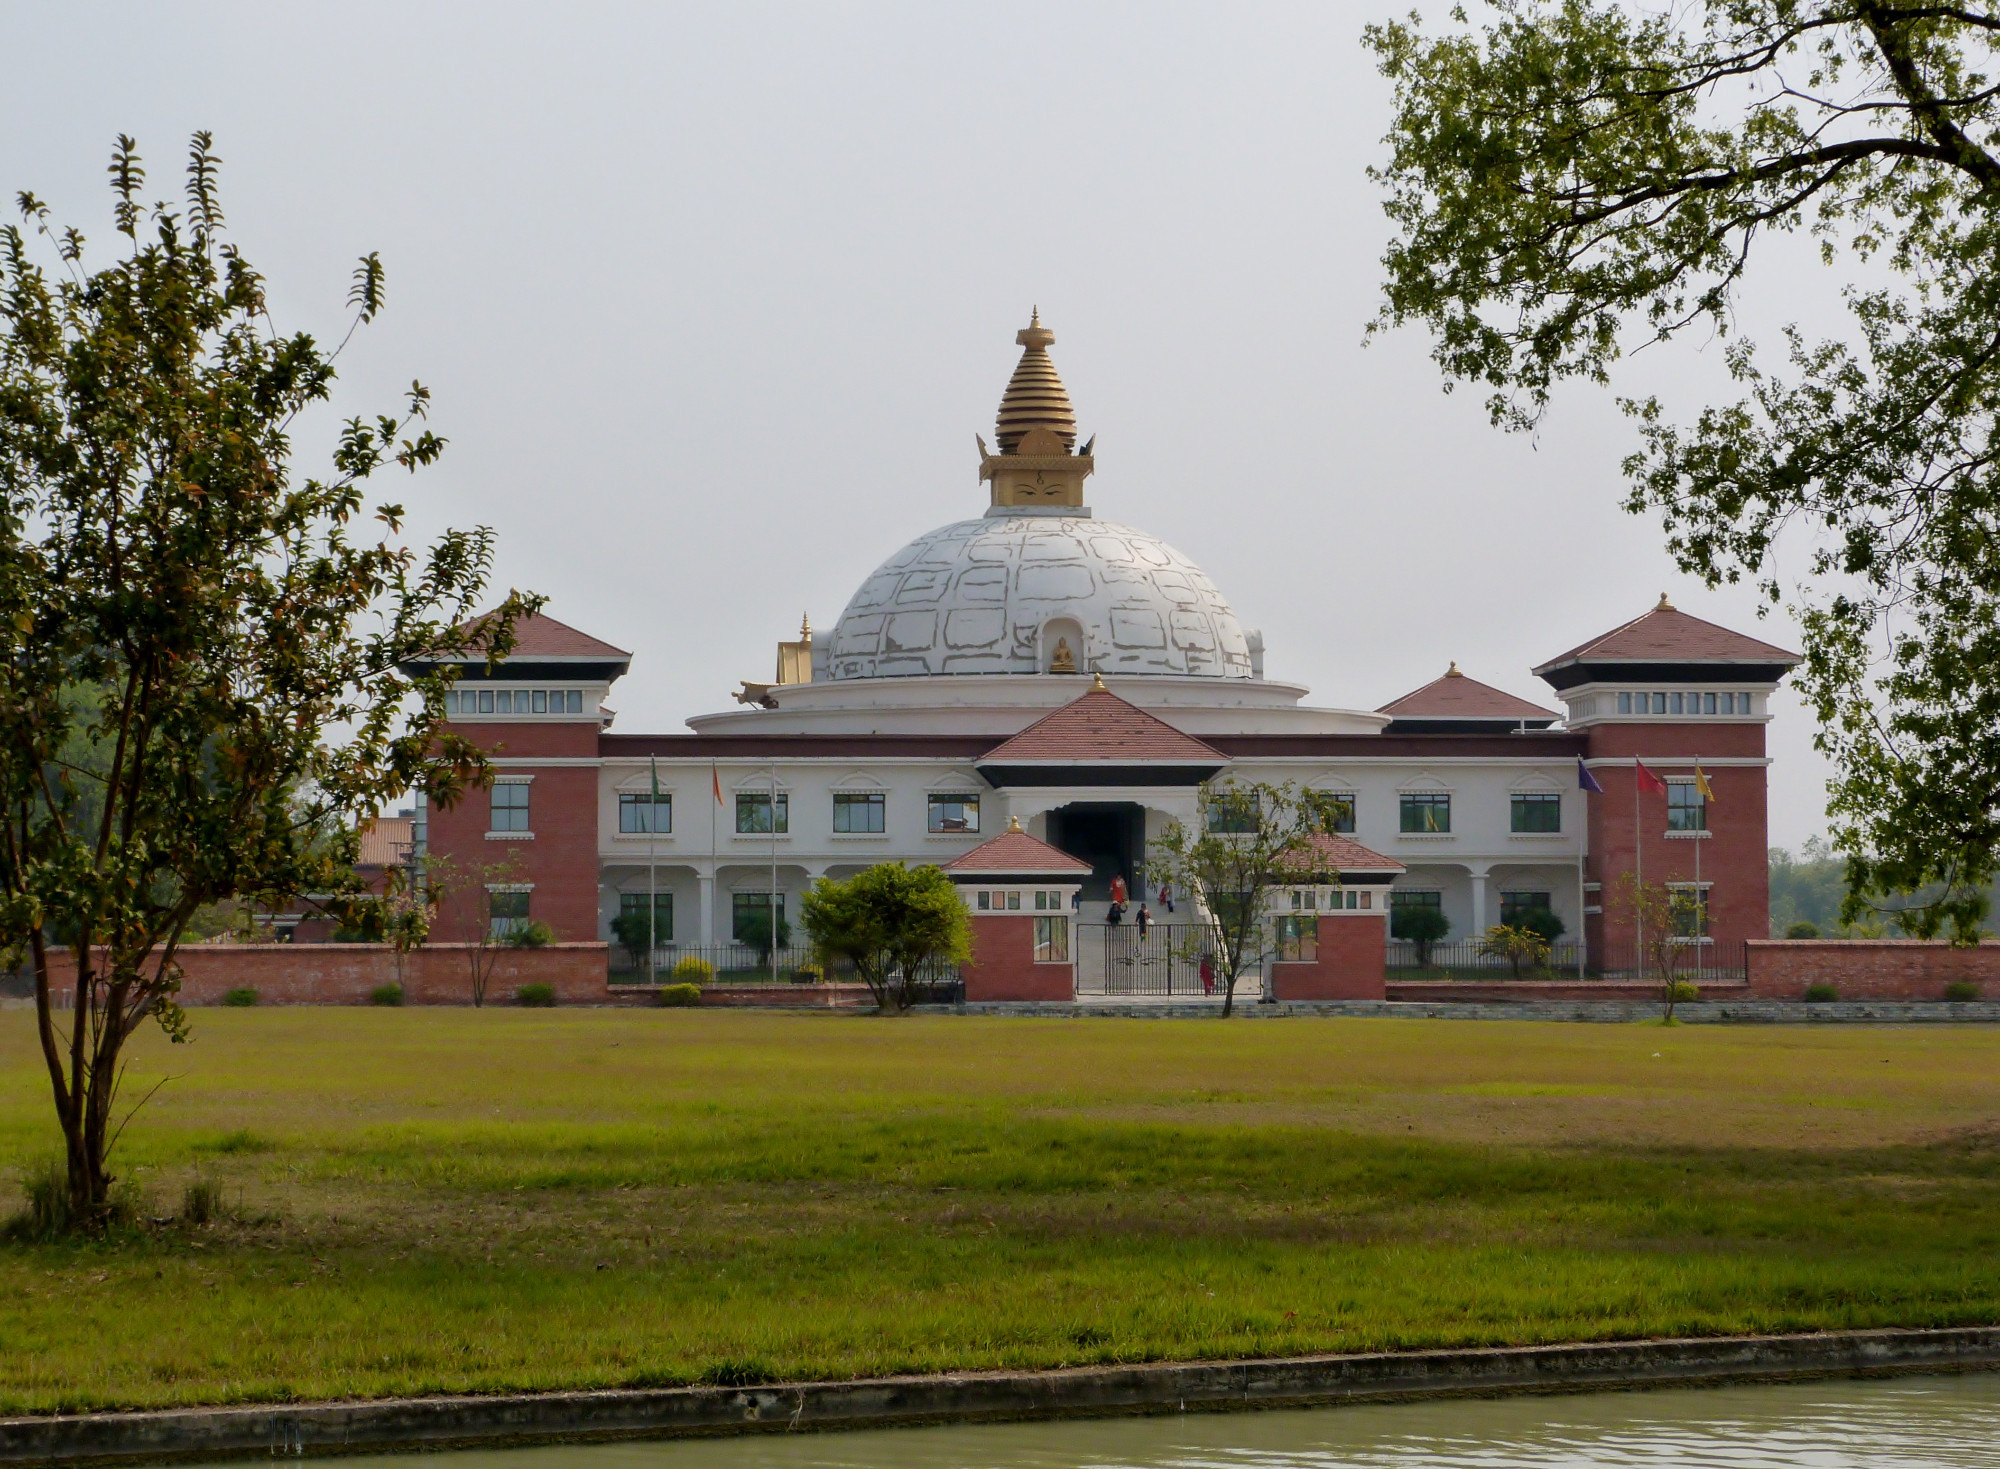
x=859 y=812
x=1425 y=811
x=1052 y=940
x=753 y=813
x=645 y=813
x=506 y=910
x=950 y=812
x=1535 y=812
x=1687 y=810
x=510 y=806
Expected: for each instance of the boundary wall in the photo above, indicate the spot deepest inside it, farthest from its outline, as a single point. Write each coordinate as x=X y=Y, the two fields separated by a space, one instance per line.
x=1870 y=969
x=410 y=1424
x=349 y=974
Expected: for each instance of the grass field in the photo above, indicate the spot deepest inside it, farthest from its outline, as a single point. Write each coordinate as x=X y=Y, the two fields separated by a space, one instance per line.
x=430 y=1200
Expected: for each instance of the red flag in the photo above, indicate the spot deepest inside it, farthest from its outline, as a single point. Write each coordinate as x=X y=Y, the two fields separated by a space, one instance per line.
x=715 y=779
x=1649 y=781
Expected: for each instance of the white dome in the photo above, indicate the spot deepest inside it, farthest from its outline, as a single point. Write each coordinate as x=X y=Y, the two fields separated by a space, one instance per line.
x=993 y=595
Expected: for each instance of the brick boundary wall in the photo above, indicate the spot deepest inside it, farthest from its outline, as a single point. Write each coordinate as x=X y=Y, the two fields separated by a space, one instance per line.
x=1554 y=991
x=1870 y=969
x=349 y=974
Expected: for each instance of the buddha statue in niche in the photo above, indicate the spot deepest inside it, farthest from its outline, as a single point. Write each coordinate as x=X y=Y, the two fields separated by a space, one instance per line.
x=1062 y=660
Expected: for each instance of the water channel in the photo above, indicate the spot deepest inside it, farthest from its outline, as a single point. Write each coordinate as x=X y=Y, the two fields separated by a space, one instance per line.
x=1899 y=1423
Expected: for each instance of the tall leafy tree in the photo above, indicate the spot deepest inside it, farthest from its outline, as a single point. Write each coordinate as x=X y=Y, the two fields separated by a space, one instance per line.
x=199 y=684
x=1577 y=177
x=896 y=925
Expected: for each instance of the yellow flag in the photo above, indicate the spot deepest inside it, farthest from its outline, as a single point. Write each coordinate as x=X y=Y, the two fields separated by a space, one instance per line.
x=1701 y=784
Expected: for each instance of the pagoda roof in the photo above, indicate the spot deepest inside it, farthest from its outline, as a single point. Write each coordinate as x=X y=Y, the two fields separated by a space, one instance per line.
x=1454 y=696
x=541 y=639
x=1102 y=727
x=1668 y=635
x=1344 y=854
x=1015 y=852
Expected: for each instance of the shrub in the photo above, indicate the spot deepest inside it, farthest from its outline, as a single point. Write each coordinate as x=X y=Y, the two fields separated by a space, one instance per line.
x=1421 y=924
x=534 y=934
x=386 y=994
x=1961 y=990
x=1802 y=930
x=1820 y=993
x=1541 y=922
x=806 y=974
x=240 y=998
x=1684 y=991
x=201 y=1202
x=536 y=996
x=677 y=995
x=46 y=1212
x=694 y=971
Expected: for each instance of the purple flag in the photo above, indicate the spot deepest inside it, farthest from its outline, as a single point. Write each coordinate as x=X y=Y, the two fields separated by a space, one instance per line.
x=1585 y=781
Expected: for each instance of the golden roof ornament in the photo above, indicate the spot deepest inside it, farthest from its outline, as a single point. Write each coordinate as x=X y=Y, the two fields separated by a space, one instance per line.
x=1013 y=823
x=1452 y=672
x=1035 y=396
x=1097 y=684
x=1664 y=605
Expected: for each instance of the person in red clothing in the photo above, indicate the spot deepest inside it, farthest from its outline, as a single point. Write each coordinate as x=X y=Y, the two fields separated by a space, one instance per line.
x=1119 y=892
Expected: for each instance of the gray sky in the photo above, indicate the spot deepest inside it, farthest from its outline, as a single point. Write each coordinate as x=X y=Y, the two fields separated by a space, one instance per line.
x=713 y=300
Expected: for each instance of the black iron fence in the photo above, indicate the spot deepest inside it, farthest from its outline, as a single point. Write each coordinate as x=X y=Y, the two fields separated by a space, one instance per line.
x=1707 y=963
x=1167 y=959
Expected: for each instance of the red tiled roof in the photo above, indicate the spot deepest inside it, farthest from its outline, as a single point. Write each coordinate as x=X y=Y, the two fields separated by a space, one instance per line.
x=1668 y=635
x=1344 y=854
x=385 y=842
x=1102 y=726
x=542 y=637
x=1454 y=696
x=1015 y=851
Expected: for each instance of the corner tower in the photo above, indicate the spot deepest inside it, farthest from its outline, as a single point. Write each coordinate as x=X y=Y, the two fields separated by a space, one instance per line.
x=1037 y=467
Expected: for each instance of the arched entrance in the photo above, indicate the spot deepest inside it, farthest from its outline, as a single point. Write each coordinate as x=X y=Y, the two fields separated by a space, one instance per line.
x=1110 y=836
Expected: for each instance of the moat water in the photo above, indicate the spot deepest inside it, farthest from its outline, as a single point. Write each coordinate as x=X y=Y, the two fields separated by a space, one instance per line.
x=1900 y=1423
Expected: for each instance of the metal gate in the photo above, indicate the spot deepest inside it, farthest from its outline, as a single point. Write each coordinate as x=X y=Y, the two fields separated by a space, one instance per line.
x=1170 y=959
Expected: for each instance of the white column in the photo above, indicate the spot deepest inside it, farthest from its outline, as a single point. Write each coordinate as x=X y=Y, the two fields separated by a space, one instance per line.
x=707 y=880
x=1478 y=902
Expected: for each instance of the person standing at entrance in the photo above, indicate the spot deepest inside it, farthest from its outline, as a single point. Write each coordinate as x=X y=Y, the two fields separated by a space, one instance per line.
x=1166 y=897
x=1119 y=892
x=1144 y=920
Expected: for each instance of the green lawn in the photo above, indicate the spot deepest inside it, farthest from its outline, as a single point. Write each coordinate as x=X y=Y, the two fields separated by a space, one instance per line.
x=434 y=1200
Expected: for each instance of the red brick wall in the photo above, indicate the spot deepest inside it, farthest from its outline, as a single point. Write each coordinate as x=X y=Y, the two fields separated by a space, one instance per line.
x=1003 y=963
x=347 y=974
x=1870 y=969
x=1734 y=857
x=1349 y=966
x=561 y=861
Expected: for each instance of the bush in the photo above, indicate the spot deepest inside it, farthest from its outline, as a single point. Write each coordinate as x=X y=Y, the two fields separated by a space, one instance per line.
x=386 y=994
x=536 y=996
x=1802 y=930
x=534 y=934
x=1542 y=923
x=46 y=1215
x=201 y=1202
x=1821 y=993
x=806 y=974
x=1684 y=991
x=1961 y=990
x=240 y=998
x=1421 y=924
x=677 y=995
x=694 y=971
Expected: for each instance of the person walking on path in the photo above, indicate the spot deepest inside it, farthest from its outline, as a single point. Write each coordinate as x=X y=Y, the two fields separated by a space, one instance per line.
x=1119 y=892
x=1166 y=897
x=1144 y=920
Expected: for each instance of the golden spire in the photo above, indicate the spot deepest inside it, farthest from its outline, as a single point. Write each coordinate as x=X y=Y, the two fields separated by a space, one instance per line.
x=1097 y=684
x=1013 y=823
x=1035 y=396
x=1452 y=672
x=805 y=627
x=1664 y=605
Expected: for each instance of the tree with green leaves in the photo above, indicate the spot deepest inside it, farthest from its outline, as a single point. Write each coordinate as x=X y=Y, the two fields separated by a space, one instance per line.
x=1577 y=178
x=1249 y=839
x=896 y=925
x=200 y=692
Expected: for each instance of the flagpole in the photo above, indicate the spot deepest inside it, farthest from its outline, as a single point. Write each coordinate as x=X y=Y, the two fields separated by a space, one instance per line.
x=1700 y=897
x=715 y=793
x=772 y=911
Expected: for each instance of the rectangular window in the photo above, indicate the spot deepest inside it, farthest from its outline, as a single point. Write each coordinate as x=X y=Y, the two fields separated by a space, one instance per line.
x=1515 y=906
x=574 y=700
x=1425 y=811
x=1407 y=898
x=859 y=811
x=1051 y=940
x=953 y=813
x=1624 y=703
x=1708 y=703
x=486 y=701
x=1013 y=902
x=541 y=701
x=1729 y=703
x=644 y=812
x=753 y=813
x=985 y=902
x=634 y=905
x=1688 y=911
x=510 y=806
x=1537 y=811
x=750 y=916
x=1232 y=812
x=1298 y=937
x=1659 y=703
x=1674 y=704
x=1686 y=810
x=506 y=912
x=1041 y=902
x=1343 y=815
